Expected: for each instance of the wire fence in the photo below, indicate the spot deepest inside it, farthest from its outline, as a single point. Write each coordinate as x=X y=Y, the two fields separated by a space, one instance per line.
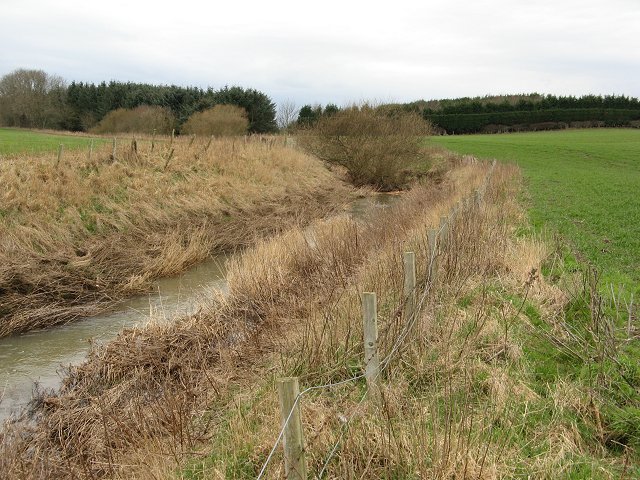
x=477 y=198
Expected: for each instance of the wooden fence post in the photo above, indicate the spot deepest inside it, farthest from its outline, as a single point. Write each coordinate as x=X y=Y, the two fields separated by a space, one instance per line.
x=371 y=360
x=60 y=150
x=90 y=149
x=433 y=254
x=113 y=152
x=409 y=261
x=295 y=465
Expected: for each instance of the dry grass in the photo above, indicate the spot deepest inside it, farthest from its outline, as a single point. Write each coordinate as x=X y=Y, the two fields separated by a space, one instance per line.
x=196 y=398
x=80 y=234
x=149 y=383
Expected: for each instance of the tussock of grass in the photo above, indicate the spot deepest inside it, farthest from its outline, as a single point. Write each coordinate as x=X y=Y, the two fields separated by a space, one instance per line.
x=76 y=236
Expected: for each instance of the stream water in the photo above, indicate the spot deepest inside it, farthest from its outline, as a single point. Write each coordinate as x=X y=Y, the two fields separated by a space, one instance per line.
x=36 y=356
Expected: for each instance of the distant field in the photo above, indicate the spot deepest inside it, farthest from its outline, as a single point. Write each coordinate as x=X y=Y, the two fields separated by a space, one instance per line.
x=14 y=141
x=584 y=184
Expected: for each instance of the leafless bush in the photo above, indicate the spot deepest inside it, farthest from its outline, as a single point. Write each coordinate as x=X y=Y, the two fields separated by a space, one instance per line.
x=142 y=119
x=221 y=120
x=377 y=148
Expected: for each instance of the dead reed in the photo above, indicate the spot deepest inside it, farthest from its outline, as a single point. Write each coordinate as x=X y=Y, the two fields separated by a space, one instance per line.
x=77 y=236
x=149 y=383
x=196 y=399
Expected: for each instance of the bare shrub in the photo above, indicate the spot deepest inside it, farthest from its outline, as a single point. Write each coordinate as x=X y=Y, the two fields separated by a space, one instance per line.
x=142 y=119
x=221 y=120
x=377 y=148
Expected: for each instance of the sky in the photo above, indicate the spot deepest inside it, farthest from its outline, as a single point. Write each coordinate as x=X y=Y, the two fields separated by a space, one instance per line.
x=334 y=51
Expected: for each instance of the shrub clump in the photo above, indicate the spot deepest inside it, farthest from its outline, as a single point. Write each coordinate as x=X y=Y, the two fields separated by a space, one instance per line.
x=142 y=119
x=220 y=120
x=377 y=147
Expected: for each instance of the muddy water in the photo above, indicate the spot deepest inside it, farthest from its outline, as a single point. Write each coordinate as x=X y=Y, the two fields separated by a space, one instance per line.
x=36 y=357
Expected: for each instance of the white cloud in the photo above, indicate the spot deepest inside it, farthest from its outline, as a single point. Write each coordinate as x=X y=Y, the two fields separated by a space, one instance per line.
x=334 y=51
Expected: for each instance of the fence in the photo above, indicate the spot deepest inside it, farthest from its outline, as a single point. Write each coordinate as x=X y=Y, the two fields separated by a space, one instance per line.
x=56 y=146
x=291 y=432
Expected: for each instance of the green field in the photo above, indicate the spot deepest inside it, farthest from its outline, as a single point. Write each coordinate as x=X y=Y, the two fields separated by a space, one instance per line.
x=15 y=141
x=583 y=184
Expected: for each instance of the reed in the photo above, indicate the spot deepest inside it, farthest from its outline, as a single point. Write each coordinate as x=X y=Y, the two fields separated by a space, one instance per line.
x=79 y=234
x=197 y=398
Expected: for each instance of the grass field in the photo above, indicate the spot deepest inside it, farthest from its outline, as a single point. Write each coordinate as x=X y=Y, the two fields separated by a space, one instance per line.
x=584 y=184
x=15 y=141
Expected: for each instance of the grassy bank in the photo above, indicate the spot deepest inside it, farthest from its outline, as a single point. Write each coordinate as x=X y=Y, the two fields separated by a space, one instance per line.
x=493 y=380
x=15 y=141
x=583 y=184
x=79 y=235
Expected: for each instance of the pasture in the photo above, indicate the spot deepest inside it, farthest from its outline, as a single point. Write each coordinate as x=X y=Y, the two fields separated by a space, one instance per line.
x=582 y=184
x=16 y=141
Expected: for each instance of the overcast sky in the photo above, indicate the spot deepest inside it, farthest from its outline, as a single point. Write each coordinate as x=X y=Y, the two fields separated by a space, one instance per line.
x=334 y=51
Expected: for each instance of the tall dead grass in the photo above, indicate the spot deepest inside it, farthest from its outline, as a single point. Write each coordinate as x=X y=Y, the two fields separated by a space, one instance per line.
x=197 y=397
x=150 y=386
x=78 y=235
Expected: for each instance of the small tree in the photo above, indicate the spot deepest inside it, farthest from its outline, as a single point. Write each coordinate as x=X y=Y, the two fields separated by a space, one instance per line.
x=375 y=147
x=221 y=120
x=287 y=114
x=309 y=115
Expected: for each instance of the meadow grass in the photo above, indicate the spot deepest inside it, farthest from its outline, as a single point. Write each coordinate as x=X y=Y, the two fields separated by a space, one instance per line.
x=583 y=184
x=17 y=141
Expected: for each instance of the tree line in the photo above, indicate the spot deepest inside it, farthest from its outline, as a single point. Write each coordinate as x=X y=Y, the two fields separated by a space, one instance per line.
x=529 y=112
x=493 y=114
x=35 y=99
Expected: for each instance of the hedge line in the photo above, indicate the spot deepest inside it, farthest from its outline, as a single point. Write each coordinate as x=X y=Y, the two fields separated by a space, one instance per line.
x=531 y=120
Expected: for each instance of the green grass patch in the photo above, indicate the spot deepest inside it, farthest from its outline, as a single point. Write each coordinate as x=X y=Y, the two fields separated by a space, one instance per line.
x=584 y=184
x=16 y=141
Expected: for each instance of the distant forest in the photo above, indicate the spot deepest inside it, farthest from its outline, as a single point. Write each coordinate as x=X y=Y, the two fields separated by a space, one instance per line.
x=34 y=99
x=510 y=113
x=528 y=112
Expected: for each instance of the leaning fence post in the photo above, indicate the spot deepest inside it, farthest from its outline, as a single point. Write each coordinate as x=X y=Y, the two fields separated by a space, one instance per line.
x=409 y=261
x=371 y=360
x=295 y=465
x=433 y=267
x=60 y=150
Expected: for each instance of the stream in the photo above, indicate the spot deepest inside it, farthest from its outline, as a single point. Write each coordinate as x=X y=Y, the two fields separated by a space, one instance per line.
x=36 y=356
